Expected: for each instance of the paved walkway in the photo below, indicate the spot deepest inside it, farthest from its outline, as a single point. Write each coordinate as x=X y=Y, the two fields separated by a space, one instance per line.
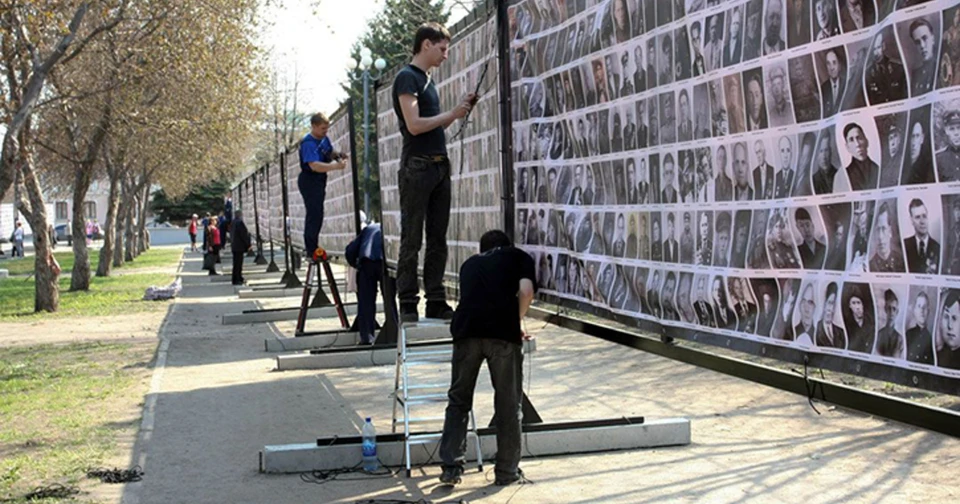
x=217 y=401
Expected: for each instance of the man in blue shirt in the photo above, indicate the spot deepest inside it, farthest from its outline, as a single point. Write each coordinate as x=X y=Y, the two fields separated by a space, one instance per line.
x=317 y=157
x=365 y=253
x=424 y=176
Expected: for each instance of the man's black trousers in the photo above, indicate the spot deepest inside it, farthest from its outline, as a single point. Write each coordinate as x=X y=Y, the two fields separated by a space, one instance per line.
x=237 y=277
x=505 y=361
x=424 y=199
x=369 y=275
x=313 y=193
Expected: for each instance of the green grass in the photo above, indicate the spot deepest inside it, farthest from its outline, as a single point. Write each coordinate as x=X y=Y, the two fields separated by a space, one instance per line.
x=155 y=257
x=59 y=408
x=120 y=293
x=107 y=296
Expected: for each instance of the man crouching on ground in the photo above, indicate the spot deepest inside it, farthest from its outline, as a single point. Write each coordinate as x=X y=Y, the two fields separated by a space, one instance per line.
x=496 y=289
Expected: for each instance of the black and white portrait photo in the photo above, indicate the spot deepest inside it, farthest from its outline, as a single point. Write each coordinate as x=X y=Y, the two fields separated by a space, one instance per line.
x=891 y=128
x=773 y=22
x=885 y=77
x=950 y=49
x=756 y=108
x=856 y=14
x=947 y=128
x=733 y=95
x=713 y=42
x=825 y=22
x=886 y=252
x=733 y=41
x=830 y=331
x=836 y=220
x=779 y=102
x=920 y=308
x=920 y=40
x=859 y=318
x=752 y=30
x=826 y=161
x=918 y=158
x=798 y=22
x=804 y=89
x=757 y=247
x=891 y=301
x=832 y=71
x=920 y=221
x=740 y=235
x=861 y=169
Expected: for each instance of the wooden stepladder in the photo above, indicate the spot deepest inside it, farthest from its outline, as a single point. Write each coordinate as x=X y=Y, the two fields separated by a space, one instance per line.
x=313 y=280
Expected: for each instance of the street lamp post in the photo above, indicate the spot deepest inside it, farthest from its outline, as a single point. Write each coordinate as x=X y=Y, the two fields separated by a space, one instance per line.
x=363 y=64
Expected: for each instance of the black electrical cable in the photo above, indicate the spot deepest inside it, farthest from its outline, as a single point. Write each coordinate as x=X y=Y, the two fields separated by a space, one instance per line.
x=116 y=475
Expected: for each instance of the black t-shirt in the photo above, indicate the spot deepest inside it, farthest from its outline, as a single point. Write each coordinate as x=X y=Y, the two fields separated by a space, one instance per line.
x=489 y=307
x=413 y=80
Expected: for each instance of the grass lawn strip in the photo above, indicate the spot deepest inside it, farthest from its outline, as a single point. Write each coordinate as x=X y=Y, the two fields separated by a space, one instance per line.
x=63 y=408
x=162 y=256
x=107 y=296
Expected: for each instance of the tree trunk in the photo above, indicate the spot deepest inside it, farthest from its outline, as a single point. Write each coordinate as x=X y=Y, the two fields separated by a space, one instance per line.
x=129 y=237
x=144 y=208
x=109 y=237
x=120 y=228
x=47 y=272
x=80 y=279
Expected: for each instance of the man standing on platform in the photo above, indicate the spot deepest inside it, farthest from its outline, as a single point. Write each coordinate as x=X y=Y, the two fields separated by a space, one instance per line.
x=239 y=245
x=424 y=176
x=317 y=157
x=496 y=289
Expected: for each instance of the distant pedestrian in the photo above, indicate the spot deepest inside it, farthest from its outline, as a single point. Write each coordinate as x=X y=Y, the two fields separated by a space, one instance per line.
x=193 y=233
x=213 y=246
x=17 y=239
x=239 y=245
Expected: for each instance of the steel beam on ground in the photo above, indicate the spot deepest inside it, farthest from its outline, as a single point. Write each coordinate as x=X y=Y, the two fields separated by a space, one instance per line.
x=540 y=440
x=283 y=314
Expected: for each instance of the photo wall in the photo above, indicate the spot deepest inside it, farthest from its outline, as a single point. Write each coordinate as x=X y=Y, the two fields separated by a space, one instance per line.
x=778 y=172
x=474 y=153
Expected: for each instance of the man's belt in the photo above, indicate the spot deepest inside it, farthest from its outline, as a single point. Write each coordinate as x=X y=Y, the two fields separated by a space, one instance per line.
x=440 y=158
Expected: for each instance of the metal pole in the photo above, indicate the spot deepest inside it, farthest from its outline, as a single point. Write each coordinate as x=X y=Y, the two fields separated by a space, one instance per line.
x=366 y=143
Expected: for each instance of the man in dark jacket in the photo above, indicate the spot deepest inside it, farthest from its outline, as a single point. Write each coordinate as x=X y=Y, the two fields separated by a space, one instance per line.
x=365 y=253
x=239 y=244
x=496 y=289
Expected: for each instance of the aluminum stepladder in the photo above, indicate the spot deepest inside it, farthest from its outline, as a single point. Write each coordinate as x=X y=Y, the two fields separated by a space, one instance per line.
x=313 y=280
x=432 y=393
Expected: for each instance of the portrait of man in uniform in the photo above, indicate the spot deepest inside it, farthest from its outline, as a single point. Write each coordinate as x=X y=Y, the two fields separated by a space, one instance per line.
x=753 y=97
x=887 y=255
x=723 y=185
x=741 y=235
x=891 y=128
x=920 y=324
x=812 y=248
x=804 y=89
x=918 y=159
x=890 y=341
x=856 y=14
x=921 y=43
x=948 y=155
x=886 y=79
x=950 y=49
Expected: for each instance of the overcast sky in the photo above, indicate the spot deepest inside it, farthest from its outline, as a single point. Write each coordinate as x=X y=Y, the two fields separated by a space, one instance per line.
x=314 y=45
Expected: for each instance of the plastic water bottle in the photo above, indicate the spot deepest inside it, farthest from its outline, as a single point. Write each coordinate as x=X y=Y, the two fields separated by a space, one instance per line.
x=370 y=462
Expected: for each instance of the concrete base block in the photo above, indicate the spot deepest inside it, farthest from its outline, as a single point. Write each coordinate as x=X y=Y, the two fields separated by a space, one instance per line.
x=244 y=292
x=541 y=440
x=357 y=356
x=282 y=314
x=251 y=277
x=333 y=339
x=4 y=273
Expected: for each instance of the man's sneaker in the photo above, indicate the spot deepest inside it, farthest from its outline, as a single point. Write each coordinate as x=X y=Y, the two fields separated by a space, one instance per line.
x=451 y=475
x=408 y=313
x=504 y=480
x=439 y=310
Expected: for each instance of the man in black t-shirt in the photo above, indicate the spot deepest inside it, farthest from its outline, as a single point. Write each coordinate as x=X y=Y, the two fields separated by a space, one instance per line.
x=424 y=176
x=496 y=289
